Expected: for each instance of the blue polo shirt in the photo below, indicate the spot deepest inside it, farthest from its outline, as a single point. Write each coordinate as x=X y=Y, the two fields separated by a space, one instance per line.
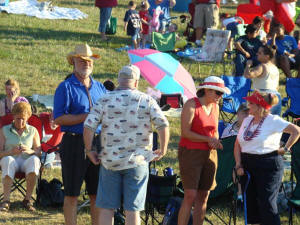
x=165 y=7
x=71 y=98
x=288 y=43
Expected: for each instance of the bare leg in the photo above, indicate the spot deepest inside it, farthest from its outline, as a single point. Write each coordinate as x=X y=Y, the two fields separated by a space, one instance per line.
x=132 y=218
x=7 y=183
x=285 y=66
x=135 y=44
x=186 y=206
x=199 y=33
x=30 y=184
x=200 y=207
x=95 y=212
x=70 y=210
x=106 y=216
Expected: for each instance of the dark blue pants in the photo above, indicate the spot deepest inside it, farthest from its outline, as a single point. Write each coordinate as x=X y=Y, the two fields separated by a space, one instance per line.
x=240 y=63
x=266 y=173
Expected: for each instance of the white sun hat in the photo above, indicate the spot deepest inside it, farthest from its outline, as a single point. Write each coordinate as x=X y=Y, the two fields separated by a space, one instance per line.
x=215 y=83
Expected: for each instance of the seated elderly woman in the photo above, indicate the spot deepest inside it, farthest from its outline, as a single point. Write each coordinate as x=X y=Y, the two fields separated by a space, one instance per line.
x=19 y=152
x=12 y=90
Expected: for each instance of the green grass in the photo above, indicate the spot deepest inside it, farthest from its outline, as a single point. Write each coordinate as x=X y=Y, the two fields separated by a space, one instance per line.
x=33 y=51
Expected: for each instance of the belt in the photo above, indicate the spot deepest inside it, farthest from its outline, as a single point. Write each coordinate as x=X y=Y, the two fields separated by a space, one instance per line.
x=262 y=156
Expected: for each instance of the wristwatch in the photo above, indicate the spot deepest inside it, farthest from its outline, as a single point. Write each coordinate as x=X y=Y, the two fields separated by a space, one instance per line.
x=286 y=149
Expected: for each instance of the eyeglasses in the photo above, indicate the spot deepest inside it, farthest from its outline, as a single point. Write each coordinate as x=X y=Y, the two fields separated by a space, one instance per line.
x=219 y=93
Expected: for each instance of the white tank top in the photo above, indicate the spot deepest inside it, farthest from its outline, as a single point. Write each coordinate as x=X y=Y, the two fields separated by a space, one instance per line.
x=269 y=80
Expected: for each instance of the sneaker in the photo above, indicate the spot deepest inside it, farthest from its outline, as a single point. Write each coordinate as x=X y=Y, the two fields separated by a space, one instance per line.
x=223 y=2
x=235 y=2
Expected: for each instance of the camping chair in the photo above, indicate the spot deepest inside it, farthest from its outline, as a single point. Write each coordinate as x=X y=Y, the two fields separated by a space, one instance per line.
x=160 y=190
x=225 y=185
x=20 y=176
x=163 y=42
x=293 y=98
x=213 y=49
x=174 y=100
x=294 y=200
x=239 y=86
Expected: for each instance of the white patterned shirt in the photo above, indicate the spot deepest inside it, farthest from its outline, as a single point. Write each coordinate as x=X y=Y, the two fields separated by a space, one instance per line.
x=127 y=117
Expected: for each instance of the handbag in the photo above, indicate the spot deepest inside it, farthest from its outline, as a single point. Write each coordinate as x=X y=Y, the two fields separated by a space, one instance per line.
x=111 y=26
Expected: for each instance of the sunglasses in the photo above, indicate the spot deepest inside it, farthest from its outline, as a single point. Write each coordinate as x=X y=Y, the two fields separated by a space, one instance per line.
x=219 y=93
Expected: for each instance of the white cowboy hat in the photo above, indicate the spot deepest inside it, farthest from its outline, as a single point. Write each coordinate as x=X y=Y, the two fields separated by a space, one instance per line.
x=82 y=51
x=215 y=83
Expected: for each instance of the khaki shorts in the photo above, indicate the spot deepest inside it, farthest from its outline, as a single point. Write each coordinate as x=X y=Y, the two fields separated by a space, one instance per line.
x=206 y=16
x=198 y=168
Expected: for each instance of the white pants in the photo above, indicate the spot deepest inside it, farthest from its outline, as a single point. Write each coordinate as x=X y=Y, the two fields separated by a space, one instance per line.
x=10 y=165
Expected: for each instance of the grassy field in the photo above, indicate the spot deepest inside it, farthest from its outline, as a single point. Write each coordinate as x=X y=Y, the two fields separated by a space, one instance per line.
x=33 y=51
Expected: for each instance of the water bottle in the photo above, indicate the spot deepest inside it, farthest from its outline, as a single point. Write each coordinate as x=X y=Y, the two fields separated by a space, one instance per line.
x=168 y=216
x=168 y=172
x=154 y=171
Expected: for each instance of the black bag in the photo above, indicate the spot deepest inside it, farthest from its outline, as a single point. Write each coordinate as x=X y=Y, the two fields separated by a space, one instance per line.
x=50 y=193
x=172 y=210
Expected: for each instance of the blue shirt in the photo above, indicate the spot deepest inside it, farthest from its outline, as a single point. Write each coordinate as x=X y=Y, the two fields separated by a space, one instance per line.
x=71 y=98
x=288 y=43
x=165 y=7
x=250 y=45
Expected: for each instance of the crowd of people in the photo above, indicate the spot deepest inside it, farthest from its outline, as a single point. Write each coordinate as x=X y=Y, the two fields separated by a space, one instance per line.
x=107 y=139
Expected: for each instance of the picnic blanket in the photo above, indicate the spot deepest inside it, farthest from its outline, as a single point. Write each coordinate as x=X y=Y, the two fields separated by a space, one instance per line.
x=42 y=10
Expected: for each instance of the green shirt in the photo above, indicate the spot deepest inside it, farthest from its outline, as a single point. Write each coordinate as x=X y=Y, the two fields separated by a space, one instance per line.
x=12 y=138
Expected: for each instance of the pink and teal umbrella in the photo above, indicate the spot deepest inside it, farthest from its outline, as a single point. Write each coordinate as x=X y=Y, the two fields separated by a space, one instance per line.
x=163 y=72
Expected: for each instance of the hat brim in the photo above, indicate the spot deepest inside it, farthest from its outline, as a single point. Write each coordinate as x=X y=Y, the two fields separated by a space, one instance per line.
x=71 y=55
x=225 y=90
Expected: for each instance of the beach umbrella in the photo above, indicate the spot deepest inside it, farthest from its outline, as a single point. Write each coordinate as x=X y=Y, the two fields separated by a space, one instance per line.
x=163 y=72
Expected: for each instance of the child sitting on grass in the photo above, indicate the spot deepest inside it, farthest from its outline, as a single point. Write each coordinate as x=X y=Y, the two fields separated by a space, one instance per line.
x=132 y=24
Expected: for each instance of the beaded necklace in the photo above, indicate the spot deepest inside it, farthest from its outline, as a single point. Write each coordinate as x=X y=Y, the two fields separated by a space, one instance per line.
x=256 y=132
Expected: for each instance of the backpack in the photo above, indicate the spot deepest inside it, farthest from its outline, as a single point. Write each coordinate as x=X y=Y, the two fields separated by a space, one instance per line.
x=111 y=27
x=172 y=210
x=50 y=193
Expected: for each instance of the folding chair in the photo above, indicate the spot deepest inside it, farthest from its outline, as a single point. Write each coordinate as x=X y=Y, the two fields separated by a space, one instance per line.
x=163 y=42
x=213 y=49
x=20 y=176
x=239 y=86
x=293 y=98
x=160 y=190
x=225 y=185
x=294 y=200
x=174 y=100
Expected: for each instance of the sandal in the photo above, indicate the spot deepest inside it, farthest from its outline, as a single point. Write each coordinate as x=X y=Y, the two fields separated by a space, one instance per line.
x=5 y=206
x=28 y=205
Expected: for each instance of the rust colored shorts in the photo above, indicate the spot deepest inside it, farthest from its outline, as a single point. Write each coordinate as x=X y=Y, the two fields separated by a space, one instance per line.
x=198 y=168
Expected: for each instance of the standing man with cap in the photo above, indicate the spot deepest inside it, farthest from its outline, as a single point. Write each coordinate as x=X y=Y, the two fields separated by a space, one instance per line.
x=73 y=100
x=126 y=115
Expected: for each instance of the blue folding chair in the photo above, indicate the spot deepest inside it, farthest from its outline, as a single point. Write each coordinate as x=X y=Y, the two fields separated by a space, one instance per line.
x=239 y=86
x=293 y=98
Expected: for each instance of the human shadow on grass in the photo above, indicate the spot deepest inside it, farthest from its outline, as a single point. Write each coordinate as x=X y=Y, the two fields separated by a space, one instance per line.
x=28 y=34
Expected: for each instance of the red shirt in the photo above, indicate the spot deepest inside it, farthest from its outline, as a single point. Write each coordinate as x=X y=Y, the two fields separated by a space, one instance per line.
x=144 y=14
x=106 y=3
x=202 y=124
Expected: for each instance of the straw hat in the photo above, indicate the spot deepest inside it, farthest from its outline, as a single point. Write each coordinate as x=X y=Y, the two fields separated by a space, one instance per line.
x=215 y=83
x=82 y=51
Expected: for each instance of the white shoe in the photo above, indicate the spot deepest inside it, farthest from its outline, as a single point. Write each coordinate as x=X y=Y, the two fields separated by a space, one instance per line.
x=223 y=2
x=235 y=2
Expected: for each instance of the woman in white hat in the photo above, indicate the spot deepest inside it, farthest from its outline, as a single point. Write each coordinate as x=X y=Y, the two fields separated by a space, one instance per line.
x=197 y=156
